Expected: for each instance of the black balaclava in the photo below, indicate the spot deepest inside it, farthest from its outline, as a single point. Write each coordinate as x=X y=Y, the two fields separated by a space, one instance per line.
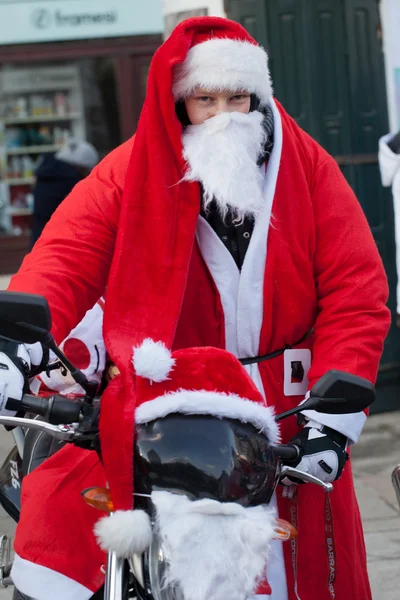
x=181 y=113
x=254 y=103
x=394 y=143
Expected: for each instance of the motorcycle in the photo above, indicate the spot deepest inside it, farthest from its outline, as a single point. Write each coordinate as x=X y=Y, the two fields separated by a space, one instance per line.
x=163 y=460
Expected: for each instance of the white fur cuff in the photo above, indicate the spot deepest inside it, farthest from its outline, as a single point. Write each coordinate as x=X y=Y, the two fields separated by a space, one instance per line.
x=349 y=425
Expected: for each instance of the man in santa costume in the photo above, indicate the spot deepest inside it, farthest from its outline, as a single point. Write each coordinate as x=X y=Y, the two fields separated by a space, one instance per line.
x=220 y=224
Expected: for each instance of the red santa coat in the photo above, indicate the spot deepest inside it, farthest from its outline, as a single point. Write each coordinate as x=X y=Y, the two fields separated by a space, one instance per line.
x=311 y=262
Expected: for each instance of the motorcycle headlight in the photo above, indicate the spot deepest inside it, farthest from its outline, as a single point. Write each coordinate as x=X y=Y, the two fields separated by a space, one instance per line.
x=150 y=570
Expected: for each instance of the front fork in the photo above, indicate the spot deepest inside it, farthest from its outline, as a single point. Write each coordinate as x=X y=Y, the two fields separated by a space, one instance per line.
x=114 y=583
x=5 y=562
x=396 y=482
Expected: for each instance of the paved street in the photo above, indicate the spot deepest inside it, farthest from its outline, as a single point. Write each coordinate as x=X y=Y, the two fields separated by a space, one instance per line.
x=6 y=523
x=4 y=279
x=374 y=458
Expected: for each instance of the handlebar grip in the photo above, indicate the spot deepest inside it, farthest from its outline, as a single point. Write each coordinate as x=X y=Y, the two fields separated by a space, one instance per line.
x=55 y=409
x=33 y=404
x=288 y=452
x=63 y=410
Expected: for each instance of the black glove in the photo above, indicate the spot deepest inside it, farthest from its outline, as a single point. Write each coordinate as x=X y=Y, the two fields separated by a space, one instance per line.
x=322 y=453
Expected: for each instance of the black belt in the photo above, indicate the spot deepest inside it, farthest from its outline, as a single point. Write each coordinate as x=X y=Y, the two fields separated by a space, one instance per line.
x=258 y=359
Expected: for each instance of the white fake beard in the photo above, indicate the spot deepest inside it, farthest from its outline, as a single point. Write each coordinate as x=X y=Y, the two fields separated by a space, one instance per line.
x=222 y=155
x=216 y=551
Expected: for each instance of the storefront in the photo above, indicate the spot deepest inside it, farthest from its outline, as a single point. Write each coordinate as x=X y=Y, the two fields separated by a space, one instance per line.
x=175 y=11
x=68 y=69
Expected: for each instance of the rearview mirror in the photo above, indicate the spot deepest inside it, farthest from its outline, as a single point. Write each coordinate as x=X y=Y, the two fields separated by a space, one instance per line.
x=336 y=393
x=24 y=318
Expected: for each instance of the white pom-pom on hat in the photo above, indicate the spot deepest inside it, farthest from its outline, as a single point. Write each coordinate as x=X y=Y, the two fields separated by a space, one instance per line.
x=152 y=360
x=124 y=532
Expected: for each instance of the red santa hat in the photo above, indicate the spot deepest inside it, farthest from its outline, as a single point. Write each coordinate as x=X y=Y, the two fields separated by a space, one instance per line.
x=197 y=381
x=157 y=223
x=193 y=381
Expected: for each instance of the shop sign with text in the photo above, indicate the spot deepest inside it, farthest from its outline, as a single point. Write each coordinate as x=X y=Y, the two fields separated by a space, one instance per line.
x=27 y=21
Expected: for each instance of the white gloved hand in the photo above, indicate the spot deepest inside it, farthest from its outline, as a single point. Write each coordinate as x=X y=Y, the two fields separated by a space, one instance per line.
x=12 y=377
x=323 y=453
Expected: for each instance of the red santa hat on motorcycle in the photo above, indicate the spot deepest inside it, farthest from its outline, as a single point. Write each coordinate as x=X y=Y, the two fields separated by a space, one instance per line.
x=198 y=381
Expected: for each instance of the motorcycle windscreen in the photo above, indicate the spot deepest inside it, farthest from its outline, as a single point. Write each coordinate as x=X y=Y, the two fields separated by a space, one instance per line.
x=204 y=457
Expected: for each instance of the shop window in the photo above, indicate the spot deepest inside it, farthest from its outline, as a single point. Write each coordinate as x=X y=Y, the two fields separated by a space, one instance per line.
x=172 y=20
x=42 y=106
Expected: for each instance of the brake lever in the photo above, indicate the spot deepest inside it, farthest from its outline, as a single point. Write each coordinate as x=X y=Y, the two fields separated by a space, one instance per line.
x=306 y=477
x=66 y=433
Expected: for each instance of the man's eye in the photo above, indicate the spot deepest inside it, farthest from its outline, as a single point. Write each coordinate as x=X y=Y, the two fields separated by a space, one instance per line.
x=239 y=97
x=204 y=98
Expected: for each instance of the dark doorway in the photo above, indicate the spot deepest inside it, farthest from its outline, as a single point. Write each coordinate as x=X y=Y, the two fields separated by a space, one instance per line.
x=327 y=67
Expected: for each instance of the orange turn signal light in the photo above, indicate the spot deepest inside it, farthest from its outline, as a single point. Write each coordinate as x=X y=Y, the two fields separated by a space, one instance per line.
x=284 y=530
x=99 y=498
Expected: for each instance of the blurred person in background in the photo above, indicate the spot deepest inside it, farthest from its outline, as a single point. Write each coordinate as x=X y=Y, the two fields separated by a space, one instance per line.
x=389 y=164
x=56 y=176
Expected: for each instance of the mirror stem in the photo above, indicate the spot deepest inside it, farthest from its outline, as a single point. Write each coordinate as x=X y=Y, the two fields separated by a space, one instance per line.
x=90 y=387
x=289 y=413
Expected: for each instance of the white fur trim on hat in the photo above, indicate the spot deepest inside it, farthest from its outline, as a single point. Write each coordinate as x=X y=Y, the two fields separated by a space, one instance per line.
x=229 y=406
x=152 y=360
x=124 y=532
x=224 y=64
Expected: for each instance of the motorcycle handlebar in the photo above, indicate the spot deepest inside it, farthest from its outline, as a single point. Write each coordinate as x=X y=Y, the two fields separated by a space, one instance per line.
x=55 y=409
x=58 y=410
x=287 y=452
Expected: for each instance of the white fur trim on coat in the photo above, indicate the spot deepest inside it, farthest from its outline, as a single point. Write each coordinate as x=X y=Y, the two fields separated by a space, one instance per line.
x=224 y=64
x=152 y=360
x=389 y=164
x=43 y=583
x=201 y=402
x=124 y=532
